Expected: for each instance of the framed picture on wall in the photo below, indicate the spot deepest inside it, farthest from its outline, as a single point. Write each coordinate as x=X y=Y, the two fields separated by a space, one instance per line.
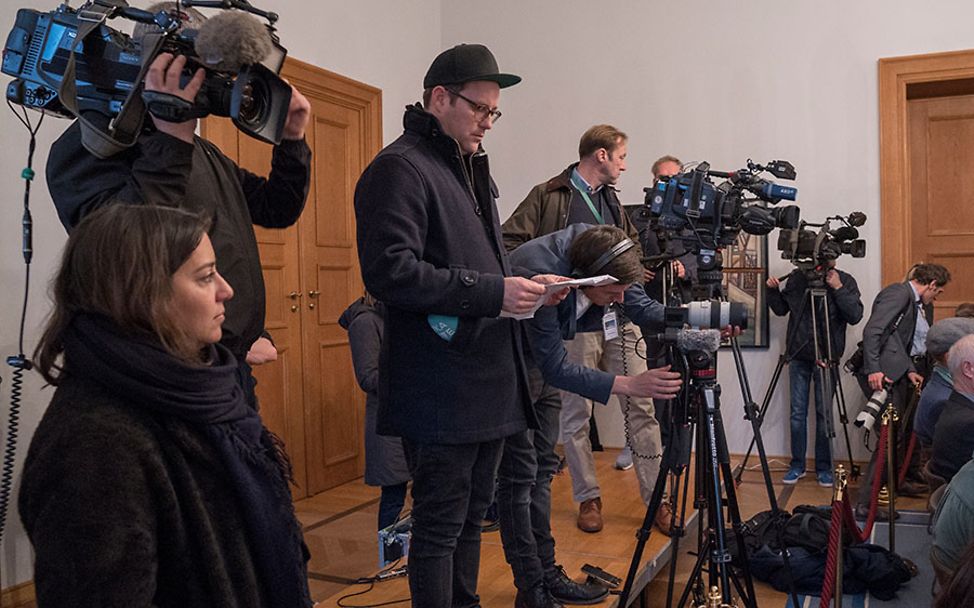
x=745 y=278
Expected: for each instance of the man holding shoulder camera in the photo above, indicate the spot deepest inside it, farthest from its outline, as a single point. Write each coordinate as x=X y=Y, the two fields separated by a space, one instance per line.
x=170 y=165
x=894 y=345
x=845 y=308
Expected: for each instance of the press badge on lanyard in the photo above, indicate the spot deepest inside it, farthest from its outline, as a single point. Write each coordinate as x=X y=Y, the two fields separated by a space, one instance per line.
x=610 y=324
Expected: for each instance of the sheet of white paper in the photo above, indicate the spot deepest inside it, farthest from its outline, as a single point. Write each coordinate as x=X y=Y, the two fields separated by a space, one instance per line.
x=603 y=279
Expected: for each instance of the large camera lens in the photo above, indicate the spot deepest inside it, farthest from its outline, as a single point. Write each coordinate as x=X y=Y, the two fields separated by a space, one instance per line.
x=787 y=216
x=709 y=314
x=259 y=104
x=856 y=249
x=253 y=104
x=869 y=412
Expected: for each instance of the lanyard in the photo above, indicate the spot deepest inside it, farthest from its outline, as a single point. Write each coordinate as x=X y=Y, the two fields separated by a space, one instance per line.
x=588 y=201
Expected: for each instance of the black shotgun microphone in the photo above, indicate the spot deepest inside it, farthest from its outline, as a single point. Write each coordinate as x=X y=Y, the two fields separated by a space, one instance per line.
x=230 y=40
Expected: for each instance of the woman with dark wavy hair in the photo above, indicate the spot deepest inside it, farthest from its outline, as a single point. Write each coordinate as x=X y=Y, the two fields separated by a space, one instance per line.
x=149 y=480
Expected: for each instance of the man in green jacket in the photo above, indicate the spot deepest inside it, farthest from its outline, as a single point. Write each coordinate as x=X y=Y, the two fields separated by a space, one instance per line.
x=585 y=193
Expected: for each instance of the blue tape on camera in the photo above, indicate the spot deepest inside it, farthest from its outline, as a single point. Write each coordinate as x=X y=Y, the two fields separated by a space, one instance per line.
x=444 y=326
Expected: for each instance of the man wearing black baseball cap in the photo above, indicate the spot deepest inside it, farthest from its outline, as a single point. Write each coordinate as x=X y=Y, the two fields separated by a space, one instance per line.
x=452 y=381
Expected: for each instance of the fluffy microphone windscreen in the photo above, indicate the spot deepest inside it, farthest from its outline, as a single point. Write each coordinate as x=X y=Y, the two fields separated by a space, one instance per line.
x=229 y=40
x=707 y=340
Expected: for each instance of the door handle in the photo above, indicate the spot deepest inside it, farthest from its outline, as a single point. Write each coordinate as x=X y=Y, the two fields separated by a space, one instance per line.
x=313 y=294
x=294 y=295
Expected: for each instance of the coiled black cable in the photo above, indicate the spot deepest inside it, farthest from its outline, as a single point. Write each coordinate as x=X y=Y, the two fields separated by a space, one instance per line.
x=19 y=362
x=626 y=399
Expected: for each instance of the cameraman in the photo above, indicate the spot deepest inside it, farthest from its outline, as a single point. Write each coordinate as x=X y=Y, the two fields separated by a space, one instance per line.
x=169 y=165
x=894 y=348
x=684 y=267
x=845 y=308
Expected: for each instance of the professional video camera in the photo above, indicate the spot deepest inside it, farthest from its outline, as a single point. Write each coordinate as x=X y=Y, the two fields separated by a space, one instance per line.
x=810 y=250
x=706 y=217
x=70 y=63
x=690 y=207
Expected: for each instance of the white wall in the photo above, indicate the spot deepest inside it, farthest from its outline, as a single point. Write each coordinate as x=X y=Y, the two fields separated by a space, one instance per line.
x=385 y=43
x=717 y=81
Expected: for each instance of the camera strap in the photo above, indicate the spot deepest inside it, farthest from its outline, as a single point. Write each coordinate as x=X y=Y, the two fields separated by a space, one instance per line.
x=125 y=127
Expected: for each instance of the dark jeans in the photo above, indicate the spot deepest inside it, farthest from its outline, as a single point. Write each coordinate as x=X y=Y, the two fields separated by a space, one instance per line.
x=801 y=373
x=524 y=479
x=452 y=486
x=390 y=504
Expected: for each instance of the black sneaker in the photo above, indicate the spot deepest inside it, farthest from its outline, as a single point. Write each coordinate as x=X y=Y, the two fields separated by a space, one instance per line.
x=567 y=591
x=536 y=597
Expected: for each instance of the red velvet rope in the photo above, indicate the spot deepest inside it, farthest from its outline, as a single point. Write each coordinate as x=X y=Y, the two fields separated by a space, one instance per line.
x=842 y=512
x=906 y=461
x=828 y=584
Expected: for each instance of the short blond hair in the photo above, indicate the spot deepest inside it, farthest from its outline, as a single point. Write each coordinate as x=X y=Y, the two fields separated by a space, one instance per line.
x=598 y=137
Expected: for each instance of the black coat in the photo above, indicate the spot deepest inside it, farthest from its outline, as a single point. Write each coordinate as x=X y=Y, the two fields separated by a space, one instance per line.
x=385 y=462
x=429 y=243
x=953 y=437
x=130 y=508
x=845 y=308
x=164 y=170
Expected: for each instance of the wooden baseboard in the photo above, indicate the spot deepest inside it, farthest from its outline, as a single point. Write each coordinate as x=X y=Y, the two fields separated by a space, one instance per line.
x=19 y=596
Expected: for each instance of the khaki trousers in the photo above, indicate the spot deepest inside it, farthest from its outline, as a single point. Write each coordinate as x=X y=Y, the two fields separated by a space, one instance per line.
x=618 y=357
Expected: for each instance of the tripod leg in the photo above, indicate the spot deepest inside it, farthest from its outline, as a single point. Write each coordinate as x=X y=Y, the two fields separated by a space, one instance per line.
x=734 y=511
x=758 y=440
x=775 y=377
x=686 y=433
x=720 y=557
x=843 y=418
x=642 y=534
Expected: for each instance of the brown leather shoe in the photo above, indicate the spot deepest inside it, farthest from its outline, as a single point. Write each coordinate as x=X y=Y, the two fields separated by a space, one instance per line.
x=590 y=515
x=665 y=520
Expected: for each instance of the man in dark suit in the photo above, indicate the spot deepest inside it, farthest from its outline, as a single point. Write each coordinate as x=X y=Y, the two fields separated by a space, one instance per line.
x=452 y=381
x=894 y=344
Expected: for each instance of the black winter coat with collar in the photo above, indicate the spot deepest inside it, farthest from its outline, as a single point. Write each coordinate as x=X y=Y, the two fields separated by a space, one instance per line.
x=147 y=501
x=429 y=243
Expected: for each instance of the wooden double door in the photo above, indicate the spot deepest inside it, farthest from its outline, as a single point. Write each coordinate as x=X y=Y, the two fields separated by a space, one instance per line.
x=309 y=396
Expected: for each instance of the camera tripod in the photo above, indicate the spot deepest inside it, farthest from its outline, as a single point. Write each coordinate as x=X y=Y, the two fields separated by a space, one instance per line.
x=695 y=416
x=827 y=378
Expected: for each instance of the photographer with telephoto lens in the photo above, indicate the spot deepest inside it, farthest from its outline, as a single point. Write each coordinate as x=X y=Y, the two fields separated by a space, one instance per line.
x=894 y=349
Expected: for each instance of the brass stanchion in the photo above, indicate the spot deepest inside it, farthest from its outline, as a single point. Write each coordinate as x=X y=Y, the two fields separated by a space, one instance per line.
x=715 y=600
x=841 y=481
x=890 y=418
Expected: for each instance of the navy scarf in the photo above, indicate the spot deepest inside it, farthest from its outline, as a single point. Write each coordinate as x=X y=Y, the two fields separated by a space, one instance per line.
x=210 y=398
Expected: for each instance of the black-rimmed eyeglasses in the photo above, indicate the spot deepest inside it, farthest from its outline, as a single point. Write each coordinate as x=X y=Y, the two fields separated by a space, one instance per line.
x=480 y=110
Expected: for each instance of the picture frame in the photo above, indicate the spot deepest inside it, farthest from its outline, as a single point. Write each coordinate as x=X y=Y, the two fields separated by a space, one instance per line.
x=745 y=282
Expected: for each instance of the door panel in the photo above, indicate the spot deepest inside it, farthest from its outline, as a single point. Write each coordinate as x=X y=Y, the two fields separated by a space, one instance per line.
x=941 y=144
x=309 y=396
x=334 y=406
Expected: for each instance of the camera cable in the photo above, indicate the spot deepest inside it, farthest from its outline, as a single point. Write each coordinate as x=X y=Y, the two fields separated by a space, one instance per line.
x=19 y=362
x=626 y=400
x=389 y=572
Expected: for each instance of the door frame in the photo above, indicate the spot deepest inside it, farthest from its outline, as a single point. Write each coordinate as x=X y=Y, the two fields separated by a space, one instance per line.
x=895 y=75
